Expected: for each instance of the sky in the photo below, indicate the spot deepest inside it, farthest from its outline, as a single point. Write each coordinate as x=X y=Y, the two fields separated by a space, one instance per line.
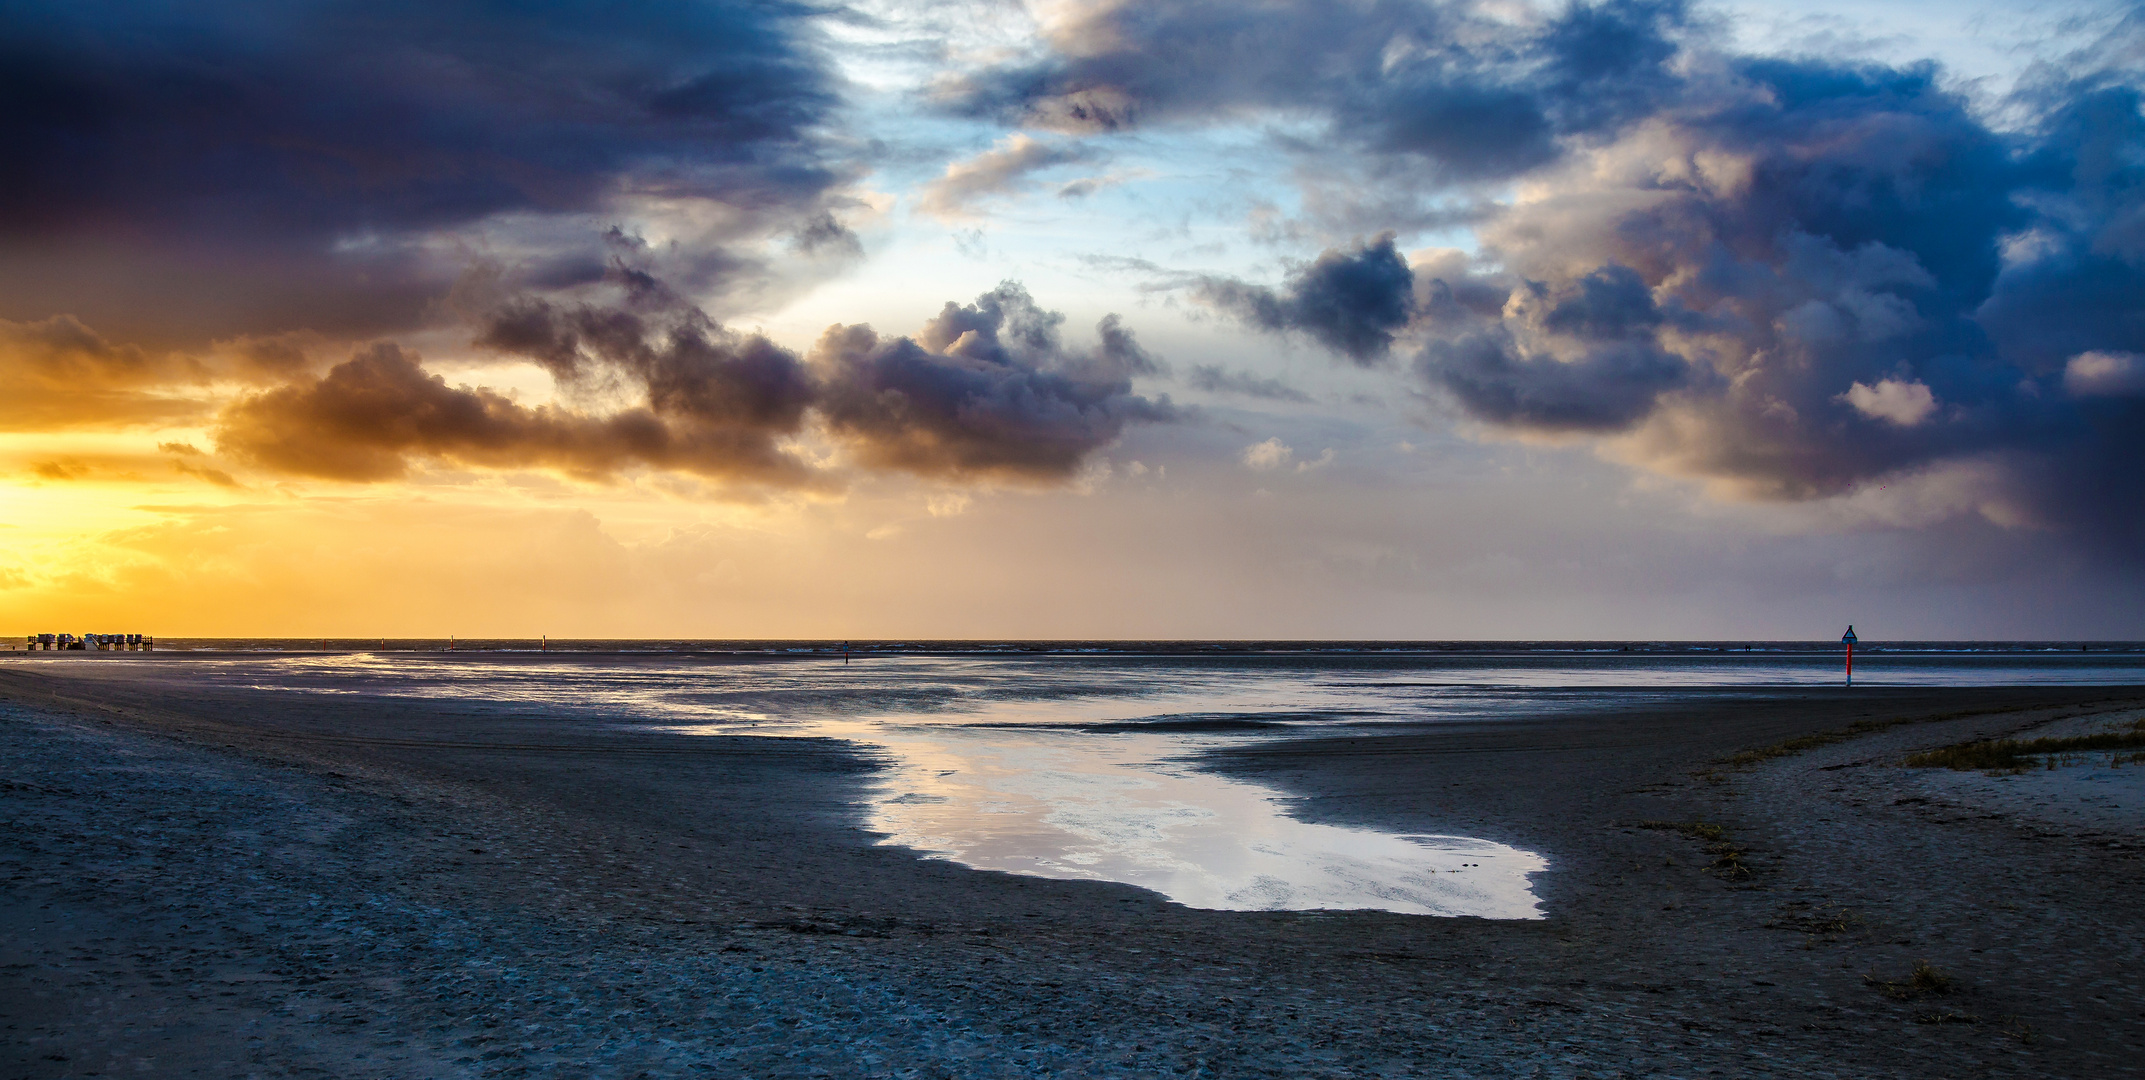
x=1216 y=319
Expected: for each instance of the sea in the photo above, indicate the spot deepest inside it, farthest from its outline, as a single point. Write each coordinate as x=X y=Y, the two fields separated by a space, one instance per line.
x=1081 y=759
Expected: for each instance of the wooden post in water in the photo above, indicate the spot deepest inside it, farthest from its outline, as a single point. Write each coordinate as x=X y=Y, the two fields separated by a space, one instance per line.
x=1849 y=639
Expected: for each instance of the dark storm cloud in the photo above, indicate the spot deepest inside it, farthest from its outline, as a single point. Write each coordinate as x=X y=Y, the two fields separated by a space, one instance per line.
x=206 y=168
x=1581 y=359
x=1841 y=280
x=1606 y=389
x=1790 y=278
x=1472 y=95
x=1611 y=303
x=692 y=370
x=984 y=390
x=1813 y=276
x=1349 y=300
x=2079 y=291
x=1722 y=282
x=370 y=415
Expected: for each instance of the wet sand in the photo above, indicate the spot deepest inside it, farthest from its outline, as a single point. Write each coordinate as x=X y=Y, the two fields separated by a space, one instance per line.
x=233 y=884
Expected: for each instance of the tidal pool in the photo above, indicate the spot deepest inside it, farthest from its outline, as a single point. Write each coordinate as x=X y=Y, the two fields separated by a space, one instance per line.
x=1084 y=787
x=1124 y=807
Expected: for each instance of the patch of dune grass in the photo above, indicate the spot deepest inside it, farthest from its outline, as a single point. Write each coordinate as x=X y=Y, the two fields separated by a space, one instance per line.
x=1743 y=759
x=2018 y=755
x=1924 y=981
x=1727 y=854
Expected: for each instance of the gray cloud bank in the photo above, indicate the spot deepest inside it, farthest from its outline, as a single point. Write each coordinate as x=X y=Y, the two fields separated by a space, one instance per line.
x=1469 y=91
x=1788 y=277
x=187 y=171
x=985 y=391
x=223 y=190
x=986 y=388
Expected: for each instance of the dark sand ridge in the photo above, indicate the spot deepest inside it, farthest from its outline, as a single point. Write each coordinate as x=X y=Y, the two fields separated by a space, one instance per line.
x=225 y=883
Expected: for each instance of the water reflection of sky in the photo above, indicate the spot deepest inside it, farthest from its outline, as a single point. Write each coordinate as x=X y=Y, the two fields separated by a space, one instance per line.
x=1082 y=767
x=1057 y=800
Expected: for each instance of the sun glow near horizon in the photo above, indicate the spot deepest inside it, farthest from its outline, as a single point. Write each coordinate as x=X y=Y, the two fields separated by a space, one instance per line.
x=1427 y=320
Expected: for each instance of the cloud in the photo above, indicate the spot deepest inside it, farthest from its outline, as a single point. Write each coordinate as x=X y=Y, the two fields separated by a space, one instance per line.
x=824 y=234
x=62 y=375
x=2105 y=374
x=1603 y=389
x=368 y=417
x=1452 y=86
x=1788 y=278
x=1791 y=279
x=1002 y=170
x=1791 y=286
x=223 y=168
x=1902 y=403
x=948 y=504
x=712 y=403
x=1268 y=456
x=985 y=390
x=60 y=469
x=129 y=468
x=217 y=477
x=692 y=371
x=1350 y=300
x=1218 y=380
x=1085 y=186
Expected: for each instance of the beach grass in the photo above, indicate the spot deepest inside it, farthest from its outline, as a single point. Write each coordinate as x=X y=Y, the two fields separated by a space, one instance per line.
x=1743 y=759
x=1727 y=854
x=1926 y=980
x=2019 y=755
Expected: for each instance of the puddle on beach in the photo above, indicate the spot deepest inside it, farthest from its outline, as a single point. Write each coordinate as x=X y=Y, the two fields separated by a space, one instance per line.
x=1122 y=807
x=1074 y=787
x=1082 y=786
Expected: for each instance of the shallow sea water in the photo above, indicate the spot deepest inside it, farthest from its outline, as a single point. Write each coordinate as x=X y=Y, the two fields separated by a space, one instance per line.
x=1085 y=766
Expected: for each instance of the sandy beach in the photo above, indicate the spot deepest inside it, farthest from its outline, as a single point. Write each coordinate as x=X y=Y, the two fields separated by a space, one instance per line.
x=226 y=883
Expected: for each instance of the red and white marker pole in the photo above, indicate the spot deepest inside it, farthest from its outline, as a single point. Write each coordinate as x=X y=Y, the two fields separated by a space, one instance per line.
x=1849 y=639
